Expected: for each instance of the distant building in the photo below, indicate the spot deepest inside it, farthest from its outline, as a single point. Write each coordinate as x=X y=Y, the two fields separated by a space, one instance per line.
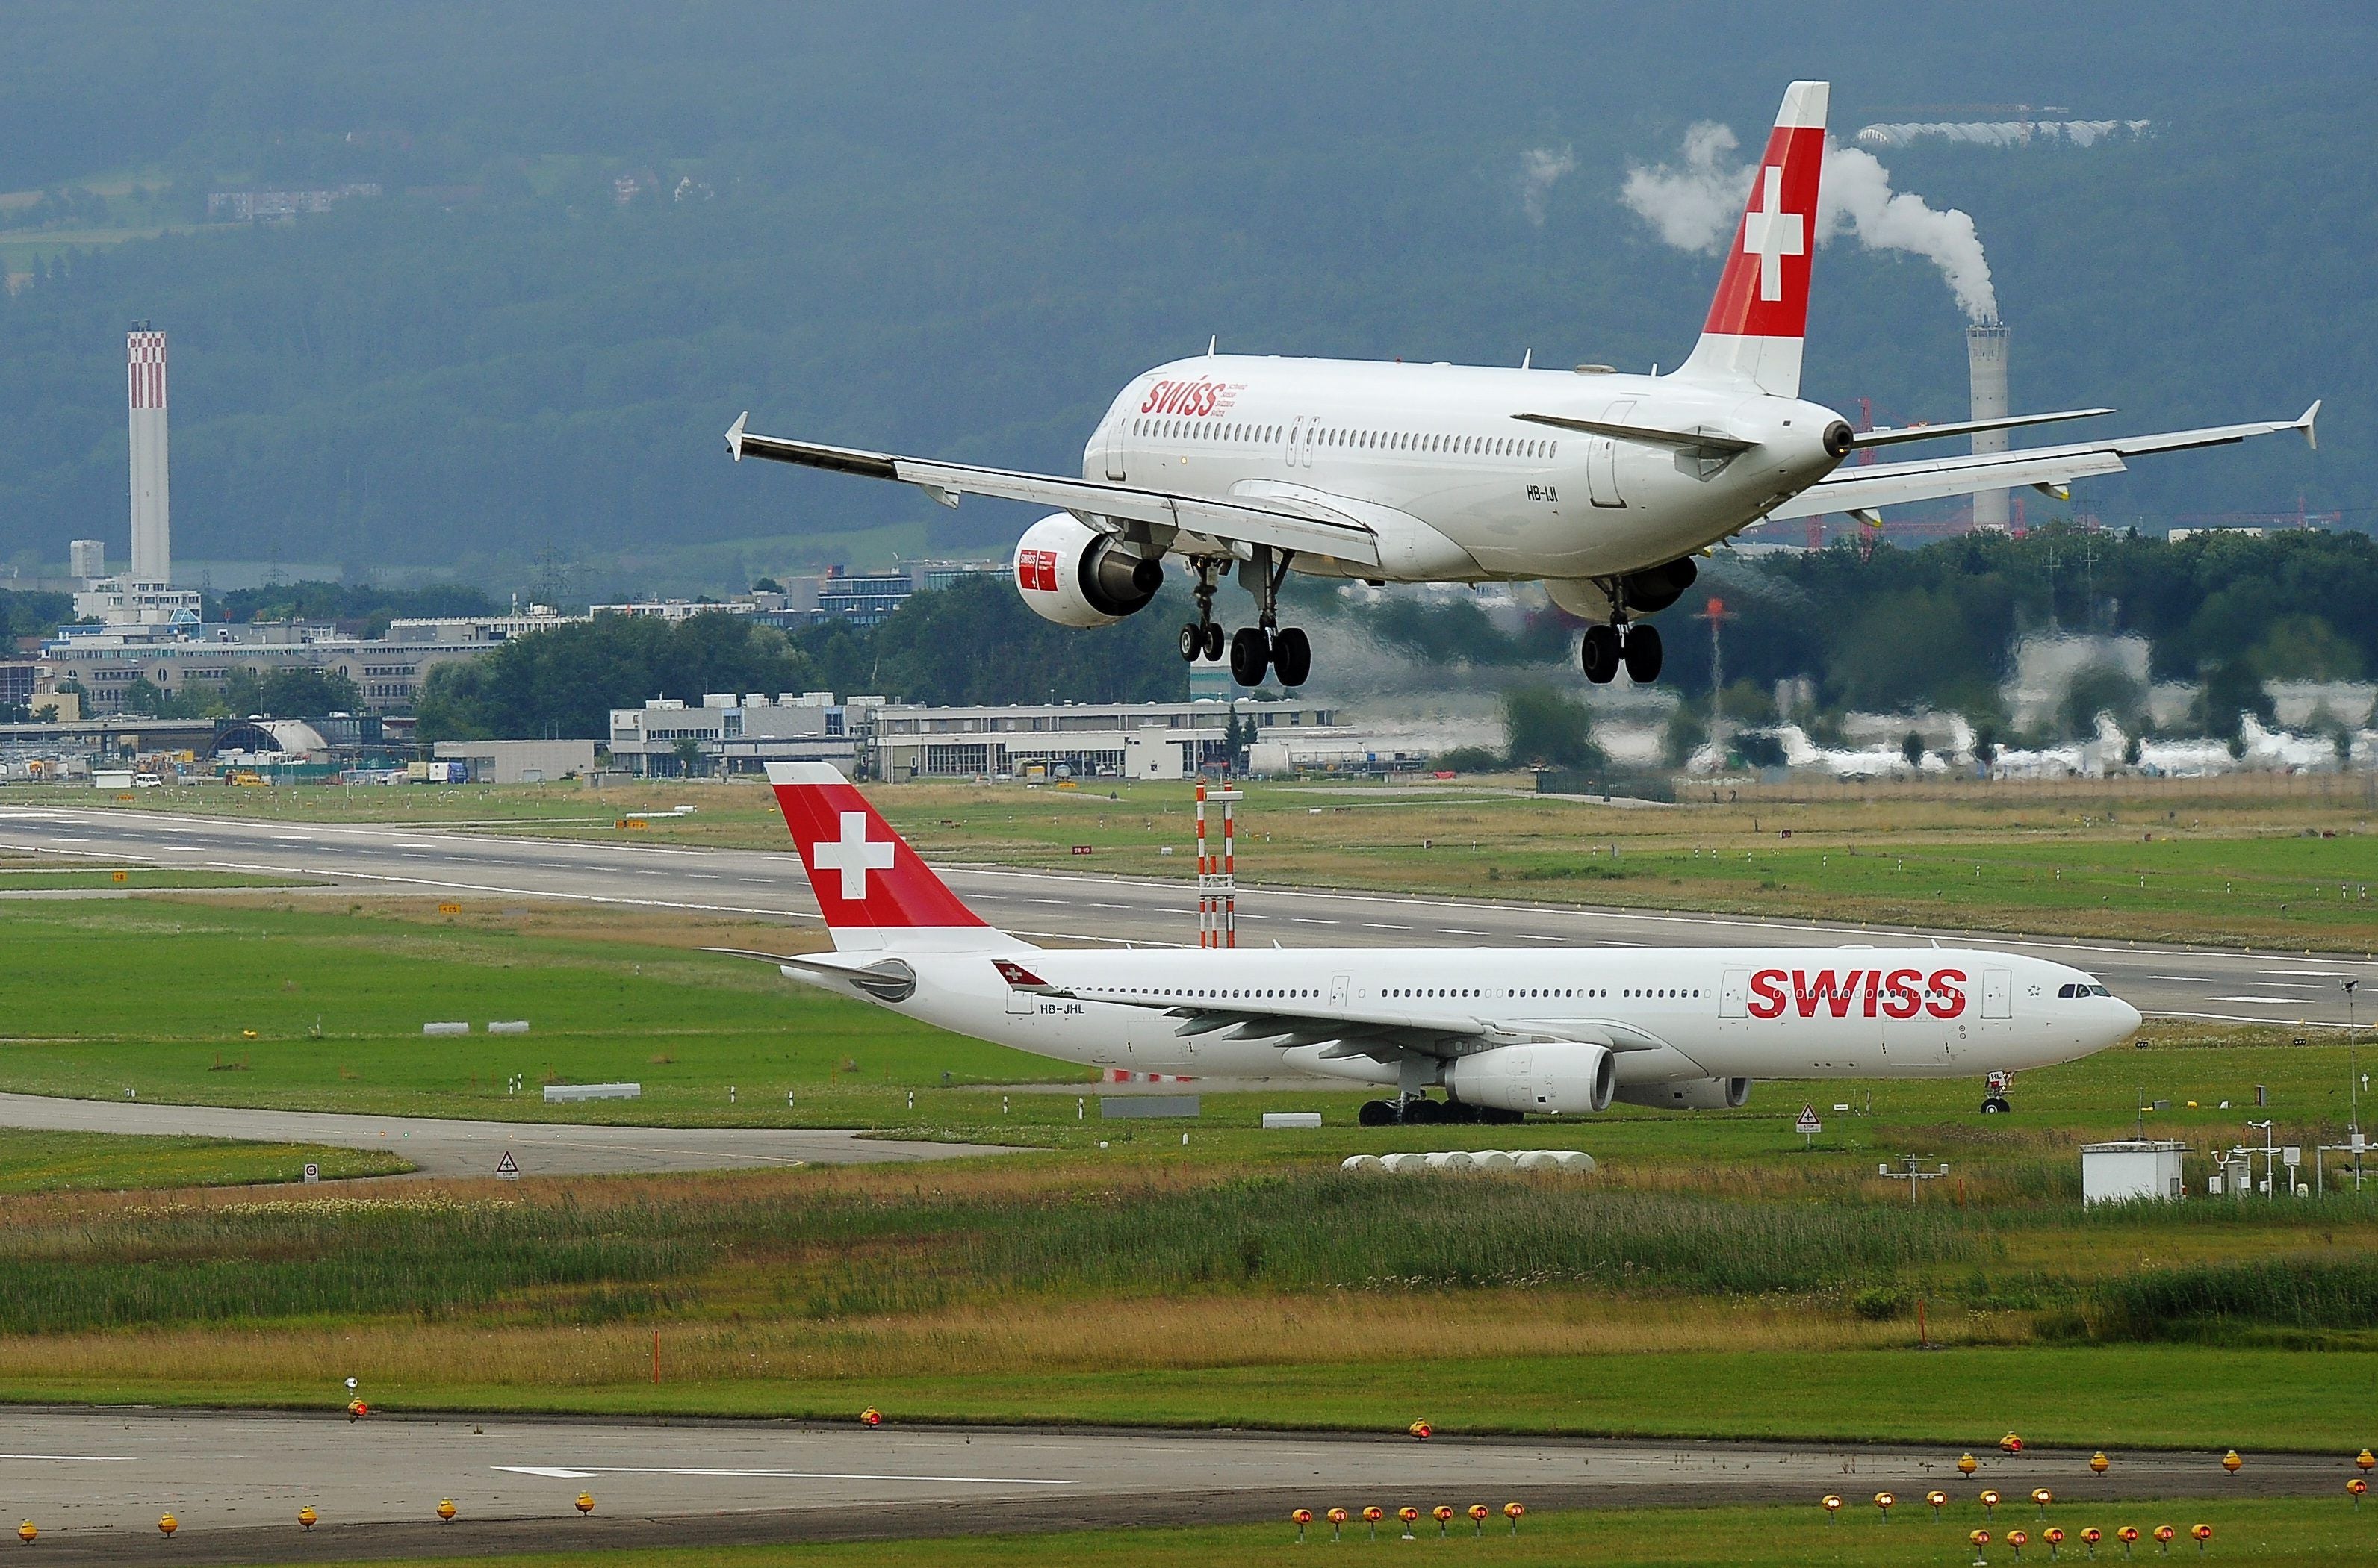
x=179 y=653
x=87 y=558
x=1134 y=740
x=864 y=599
x=731 y=734
x=243 y=206
x=518 y=761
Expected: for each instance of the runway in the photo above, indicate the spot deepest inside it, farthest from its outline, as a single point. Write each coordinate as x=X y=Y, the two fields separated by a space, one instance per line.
x=95 y=1481
x=2162 y=980
x=475 y=1148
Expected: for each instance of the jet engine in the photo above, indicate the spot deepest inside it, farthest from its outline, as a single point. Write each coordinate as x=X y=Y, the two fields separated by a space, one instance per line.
x=1689 y=1094
x=1070 y=574
x=1551 y=1079
x=1648 y=591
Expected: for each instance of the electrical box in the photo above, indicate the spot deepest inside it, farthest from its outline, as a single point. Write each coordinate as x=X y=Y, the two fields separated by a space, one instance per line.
x=2133 y=1169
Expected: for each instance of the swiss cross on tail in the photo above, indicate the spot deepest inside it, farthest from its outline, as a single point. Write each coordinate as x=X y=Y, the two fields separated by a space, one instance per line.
x=1764 y=291
x=1760 y=313
x=870 y=884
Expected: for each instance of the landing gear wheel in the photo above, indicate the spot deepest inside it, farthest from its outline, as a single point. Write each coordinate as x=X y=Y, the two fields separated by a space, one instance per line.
x=1291 y=657
x=1250 y=655
x=1642 y=654
x=1421 y=1112
x=1213 y=635
x=1600 y=654
x=1193 y=641
x=1376 y=1113
x=1996 y=1105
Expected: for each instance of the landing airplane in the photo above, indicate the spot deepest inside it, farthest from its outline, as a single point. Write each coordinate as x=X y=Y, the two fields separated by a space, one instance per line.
x=1505 y=1033
x=1603 y=486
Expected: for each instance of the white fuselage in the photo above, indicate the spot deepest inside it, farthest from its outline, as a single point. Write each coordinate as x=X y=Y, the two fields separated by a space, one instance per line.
x=1669 y=1014
x=1467 y=490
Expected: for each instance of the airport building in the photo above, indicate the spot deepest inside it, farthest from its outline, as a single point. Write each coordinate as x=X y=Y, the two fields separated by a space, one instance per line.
x=1134 y=740
x=725 y=733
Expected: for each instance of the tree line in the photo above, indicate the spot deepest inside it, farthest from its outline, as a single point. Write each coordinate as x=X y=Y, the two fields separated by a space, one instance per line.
x=973 y=642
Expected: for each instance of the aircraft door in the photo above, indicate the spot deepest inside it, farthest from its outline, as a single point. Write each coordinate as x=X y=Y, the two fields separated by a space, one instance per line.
x=1998 y=993
x=1601 y=460
x=1734 y=995
x=1338 y=984
x=1114 y=447
x=1022 y=1003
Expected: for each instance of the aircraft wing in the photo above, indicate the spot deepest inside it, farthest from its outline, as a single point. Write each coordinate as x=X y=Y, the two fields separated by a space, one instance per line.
x=1376 y=1029
x=1282 y=522
x=1896 y=483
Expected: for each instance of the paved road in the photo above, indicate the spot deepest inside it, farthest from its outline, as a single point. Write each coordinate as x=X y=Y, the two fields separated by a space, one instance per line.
x=95 y=1481
x=2160 y=979
x=473 y=1148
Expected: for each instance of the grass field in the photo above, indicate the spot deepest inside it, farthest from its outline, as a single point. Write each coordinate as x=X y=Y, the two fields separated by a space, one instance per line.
x=1720 y=1275
x=49 y=1162
x=2289 y=1531
x=55 y=875
x=2264 y=861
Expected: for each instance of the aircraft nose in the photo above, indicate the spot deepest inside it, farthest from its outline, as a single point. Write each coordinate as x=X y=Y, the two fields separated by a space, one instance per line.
x=2129 y=1021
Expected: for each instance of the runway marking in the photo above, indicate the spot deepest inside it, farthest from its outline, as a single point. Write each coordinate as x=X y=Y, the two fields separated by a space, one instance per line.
x=2240 y=1017
x=1457 y=931
x=574 y=1472
x=2193 y=979
x=73 y=1458
x=1383 y=925
x=2265 y=1002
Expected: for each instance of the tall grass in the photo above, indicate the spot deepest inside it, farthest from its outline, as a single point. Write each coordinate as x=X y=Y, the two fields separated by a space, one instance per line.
x=831 y=1254
x=288 y=1259
x=2302 y=1292
x=1302 y=1232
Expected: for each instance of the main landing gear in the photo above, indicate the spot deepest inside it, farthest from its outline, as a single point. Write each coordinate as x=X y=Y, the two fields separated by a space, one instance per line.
x=1285 y=652
x=1996 y=1105
x=1418 y=1110
x=1607 y=647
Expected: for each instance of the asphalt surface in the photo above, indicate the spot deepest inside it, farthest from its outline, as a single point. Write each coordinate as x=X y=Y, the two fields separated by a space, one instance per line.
x=95 y=1482
x=475 y=1148
x=2159 y=979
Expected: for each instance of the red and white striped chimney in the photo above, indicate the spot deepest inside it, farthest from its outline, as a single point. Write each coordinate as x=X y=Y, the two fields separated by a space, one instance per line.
x=152 y=542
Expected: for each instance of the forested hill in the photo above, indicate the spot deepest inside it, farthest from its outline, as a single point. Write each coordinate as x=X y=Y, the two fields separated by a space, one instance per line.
x=956 y=228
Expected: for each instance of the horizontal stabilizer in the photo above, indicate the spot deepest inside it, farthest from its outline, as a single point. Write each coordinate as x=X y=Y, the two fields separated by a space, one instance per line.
x=1965 y=427
x=1689 y=440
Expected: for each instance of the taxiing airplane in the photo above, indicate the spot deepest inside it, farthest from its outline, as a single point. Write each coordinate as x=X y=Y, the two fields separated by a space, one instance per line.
x=1603 y=486
x=1503 y=1031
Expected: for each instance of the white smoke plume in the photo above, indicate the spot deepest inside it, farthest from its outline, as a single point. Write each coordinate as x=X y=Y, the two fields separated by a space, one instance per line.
x=1693 y=206
x=1540 y=169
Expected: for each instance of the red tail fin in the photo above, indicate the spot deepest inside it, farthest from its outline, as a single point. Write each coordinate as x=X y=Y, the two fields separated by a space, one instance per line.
x=1759 y=317
x=871 y=887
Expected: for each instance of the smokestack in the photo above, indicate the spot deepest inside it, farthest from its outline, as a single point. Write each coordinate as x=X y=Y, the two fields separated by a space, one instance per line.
x=152 y=546
x=1986 y=363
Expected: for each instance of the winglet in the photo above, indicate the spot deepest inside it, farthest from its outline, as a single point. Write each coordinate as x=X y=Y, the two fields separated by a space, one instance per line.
x=735 y=435
x=2311 y=435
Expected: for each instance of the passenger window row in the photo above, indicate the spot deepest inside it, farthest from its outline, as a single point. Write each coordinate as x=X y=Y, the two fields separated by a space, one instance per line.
x=1367 y=440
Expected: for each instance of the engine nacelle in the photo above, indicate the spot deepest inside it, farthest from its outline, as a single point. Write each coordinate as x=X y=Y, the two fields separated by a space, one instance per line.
x=1070 y=574
x=1689 y=1094
x=1557 y=1078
